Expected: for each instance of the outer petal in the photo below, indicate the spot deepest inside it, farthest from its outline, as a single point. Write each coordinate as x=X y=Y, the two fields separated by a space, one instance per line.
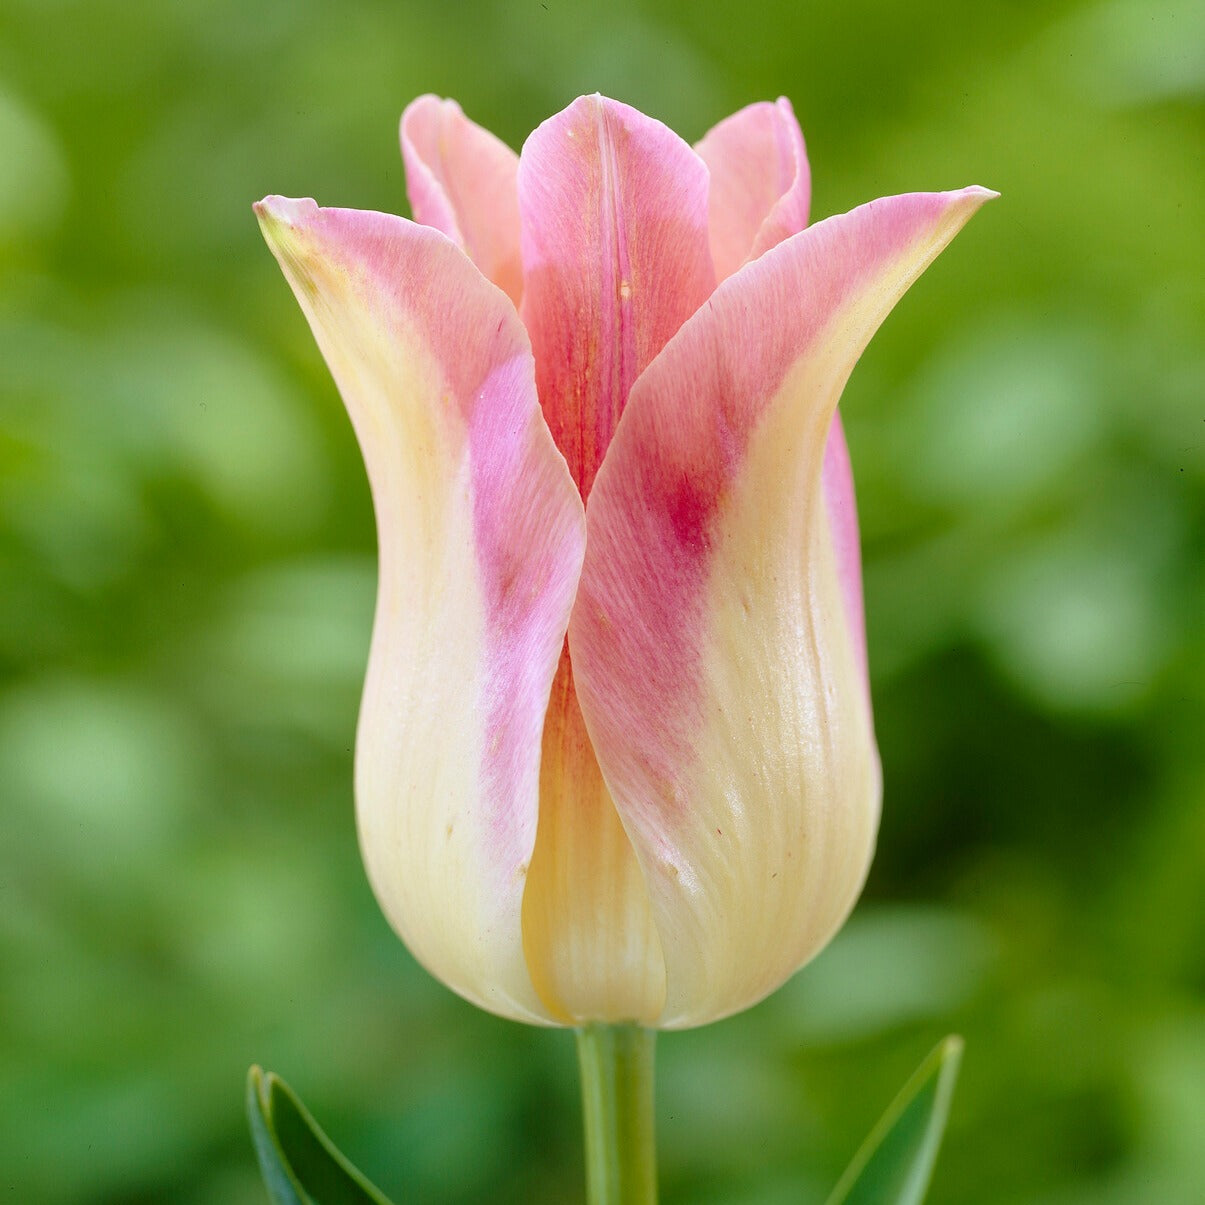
x=480 y=532
x=461 y=180
x=761 y=190
x=714 y=659
x=841 y=514
x=615 y=259
x=761 y=185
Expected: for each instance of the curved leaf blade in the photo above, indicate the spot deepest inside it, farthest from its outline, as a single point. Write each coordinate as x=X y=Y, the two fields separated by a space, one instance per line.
x=299 y=1163
x=895 y=1163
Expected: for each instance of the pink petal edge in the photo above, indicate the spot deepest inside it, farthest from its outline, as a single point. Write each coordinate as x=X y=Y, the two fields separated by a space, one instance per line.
x=462 y=180
x=760 y=182
x=480 y=526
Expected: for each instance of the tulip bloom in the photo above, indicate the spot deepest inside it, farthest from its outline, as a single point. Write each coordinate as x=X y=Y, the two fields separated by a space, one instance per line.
x=616 y=758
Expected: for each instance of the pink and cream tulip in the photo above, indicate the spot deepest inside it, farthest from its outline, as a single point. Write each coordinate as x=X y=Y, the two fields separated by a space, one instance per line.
x=616 y=758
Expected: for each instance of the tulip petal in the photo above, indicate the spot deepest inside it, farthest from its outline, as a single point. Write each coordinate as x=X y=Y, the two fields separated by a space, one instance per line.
x=592 y=947
x=761 y=189
x=481 y=534
x=713 y=655
x=613 y=208
x=614 y=236
x=761 y=185
x=462 y=180
x=841 y=511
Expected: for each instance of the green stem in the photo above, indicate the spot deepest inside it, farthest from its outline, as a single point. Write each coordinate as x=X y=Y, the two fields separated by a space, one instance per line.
x=617 y=1100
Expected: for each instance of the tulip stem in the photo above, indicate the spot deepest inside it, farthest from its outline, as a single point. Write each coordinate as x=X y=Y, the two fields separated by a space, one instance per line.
x=617 y=1102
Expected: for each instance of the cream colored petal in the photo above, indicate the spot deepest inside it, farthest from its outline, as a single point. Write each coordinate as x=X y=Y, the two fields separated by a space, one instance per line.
x=592 y=947
x=717 y=668
x=480 y=530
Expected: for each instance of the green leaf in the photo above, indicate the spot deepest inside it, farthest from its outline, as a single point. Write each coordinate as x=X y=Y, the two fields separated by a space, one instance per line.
x=299 y=1163
x=895 y=1163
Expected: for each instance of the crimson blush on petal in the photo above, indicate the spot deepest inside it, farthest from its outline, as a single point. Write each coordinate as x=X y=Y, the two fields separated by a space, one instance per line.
x=721 y=682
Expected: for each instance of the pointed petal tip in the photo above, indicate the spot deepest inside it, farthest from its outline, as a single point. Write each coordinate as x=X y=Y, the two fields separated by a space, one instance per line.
x=598 y=104
x=979 y=194
x=964 y=203
x=274 y=211
x=429 y=100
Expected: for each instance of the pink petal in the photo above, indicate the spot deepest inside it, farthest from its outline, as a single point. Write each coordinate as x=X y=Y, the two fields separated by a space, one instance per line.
x=615 y=259
x=481 y=534
x=720 y=680
x=760 y=194
x=461 y=180
x=761 y=186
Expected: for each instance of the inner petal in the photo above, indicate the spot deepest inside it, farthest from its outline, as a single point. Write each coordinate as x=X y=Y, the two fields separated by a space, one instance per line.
x=613 y=212
x=461 y=180
x=591 y=945
x=760 y=182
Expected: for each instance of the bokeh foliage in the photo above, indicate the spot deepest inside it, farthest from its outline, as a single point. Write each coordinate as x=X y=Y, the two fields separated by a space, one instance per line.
x=187 y=567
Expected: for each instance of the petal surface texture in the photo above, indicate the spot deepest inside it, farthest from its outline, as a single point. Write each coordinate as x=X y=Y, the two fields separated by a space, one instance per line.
x=613 y=207
x=761 y=185
x=841 y=514
x=481 y=535
x=761 y=188
x=717 y=672
x=615 y=255
x=592 y=947
x=462 y=180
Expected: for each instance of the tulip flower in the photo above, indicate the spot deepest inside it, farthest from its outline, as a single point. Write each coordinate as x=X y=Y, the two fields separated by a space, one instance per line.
x=616 y=758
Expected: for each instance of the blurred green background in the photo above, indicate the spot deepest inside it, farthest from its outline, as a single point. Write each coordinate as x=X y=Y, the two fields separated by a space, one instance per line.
x=187 y=571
